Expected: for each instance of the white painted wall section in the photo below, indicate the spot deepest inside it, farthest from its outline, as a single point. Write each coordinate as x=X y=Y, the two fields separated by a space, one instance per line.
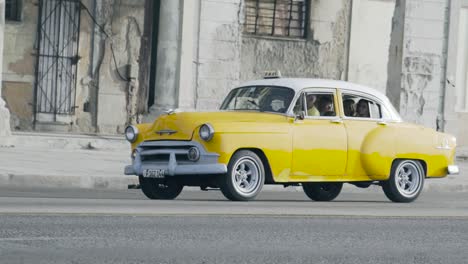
x=371 y=27
x=462 y=62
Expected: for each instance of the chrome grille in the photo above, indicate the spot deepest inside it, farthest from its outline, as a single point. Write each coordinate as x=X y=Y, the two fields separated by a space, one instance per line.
x=161 y=153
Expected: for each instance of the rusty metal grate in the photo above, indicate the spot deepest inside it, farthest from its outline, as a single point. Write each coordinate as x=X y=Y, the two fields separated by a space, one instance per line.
x=57 y=51
x=283 y=18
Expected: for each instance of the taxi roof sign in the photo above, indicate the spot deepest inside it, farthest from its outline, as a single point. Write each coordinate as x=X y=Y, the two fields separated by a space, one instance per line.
x=272 y=74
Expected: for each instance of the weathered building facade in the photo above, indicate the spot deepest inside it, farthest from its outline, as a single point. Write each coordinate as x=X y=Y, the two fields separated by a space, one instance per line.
x=4 y=113
x=98 y=65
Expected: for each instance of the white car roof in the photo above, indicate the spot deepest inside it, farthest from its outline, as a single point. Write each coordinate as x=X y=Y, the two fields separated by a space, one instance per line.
x=297 y=84
x=300 y=83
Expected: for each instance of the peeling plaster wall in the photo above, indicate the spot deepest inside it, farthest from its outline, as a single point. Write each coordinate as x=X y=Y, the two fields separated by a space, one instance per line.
x=18 y=66
x=4 y=113
x=104 y=103
x=321 y=55
x=395 y=53
x=19 y=72
x=82 y=120
x=423 y=61
x=123 y=21
x=227 y=56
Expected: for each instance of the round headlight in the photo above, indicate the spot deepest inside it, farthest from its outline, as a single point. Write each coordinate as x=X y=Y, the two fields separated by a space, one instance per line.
x=131 y=133
x=193 y=154
x=206 y=132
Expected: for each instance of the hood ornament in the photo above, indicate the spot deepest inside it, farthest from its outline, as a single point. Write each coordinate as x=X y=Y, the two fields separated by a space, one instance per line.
x=165 y=131
x=170 y=111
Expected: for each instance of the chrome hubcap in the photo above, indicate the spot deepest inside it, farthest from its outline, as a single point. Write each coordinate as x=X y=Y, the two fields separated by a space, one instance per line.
x=408 y=178
x=246 y=175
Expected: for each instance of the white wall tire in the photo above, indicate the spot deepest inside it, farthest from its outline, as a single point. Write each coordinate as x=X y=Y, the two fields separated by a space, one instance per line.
x=406 y=181
x=245 y=177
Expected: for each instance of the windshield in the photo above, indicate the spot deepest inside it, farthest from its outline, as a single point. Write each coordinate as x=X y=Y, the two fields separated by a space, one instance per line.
x=259 y=98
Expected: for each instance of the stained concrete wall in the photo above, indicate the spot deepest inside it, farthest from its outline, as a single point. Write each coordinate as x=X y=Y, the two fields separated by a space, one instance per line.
x=404 y=58
x=18 y=66
x=104 y=102
x=19 y=72
x=424 y=61
x=4 y=113
x=321 y=54
x=227 y=56
x=218 y=52
x=116 y=95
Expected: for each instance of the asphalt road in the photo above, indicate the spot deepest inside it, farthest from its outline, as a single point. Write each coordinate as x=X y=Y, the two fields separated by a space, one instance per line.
x=88 y=226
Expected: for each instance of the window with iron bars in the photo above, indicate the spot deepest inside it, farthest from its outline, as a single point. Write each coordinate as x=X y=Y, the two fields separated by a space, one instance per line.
x=281 y=18
x=13 y=10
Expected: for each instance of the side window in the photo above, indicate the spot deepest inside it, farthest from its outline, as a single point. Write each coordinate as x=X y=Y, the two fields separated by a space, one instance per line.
x=375 y=110
x=362 y=107
x=320 y=104
x=299 y=106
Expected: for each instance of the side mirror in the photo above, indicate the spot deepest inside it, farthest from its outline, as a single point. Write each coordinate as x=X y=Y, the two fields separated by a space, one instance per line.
x=301 y=115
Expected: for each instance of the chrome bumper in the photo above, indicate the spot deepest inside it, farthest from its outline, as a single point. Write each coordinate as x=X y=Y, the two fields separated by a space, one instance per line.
x=453 y=169
x=207 y=164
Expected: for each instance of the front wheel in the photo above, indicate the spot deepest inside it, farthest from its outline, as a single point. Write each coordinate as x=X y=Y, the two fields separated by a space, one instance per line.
x=406 y=181
x=245 y=177
x=322 y=191
x=155 y=189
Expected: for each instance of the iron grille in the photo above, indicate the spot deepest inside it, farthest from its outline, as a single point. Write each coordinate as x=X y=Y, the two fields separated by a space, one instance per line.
x=13 y=10
x=284 y=18
x=59 y=28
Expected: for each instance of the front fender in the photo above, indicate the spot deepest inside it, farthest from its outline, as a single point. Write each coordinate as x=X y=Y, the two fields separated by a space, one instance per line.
x=277 y=148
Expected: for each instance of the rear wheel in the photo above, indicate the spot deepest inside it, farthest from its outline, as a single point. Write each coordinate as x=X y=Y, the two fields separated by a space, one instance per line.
x=155 y=189
x=245 y=177
x=406 y=181
x=322 y=191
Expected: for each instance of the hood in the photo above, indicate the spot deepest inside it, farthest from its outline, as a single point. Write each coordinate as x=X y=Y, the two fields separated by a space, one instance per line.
x=181 y=126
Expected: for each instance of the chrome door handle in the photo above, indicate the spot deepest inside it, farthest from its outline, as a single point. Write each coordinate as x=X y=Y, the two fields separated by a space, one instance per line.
x=383 y=123
x=337 y=121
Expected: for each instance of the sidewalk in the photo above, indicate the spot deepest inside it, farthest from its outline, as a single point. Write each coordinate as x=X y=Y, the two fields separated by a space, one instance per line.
x=83 y=161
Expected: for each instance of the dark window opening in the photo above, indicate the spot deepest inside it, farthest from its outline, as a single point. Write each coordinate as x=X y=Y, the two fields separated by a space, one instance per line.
x=281 y=18
x=13 y=10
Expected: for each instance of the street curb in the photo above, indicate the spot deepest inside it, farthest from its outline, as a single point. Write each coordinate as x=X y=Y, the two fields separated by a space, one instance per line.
x=64 y=141
x=58 y=181
x=122 y=183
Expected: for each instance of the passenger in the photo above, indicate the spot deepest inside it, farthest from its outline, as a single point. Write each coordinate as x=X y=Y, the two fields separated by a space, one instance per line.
x=362 y=108
x=349 y=107
x=325 y=105
x=312 y=110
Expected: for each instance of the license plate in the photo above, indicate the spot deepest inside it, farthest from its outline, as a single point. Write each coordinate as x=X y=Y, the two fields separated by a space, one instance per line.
x=158 y=173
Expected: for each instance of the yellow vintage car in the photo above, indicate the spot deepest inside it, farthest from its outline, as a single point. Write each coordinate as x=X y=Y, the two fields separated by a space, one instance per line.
x=310 y=132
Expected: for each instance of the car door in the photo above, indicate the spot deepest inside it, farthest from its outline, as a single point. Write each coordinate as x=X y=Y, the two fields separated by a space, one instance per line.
x=319 y=138
x=369 y=134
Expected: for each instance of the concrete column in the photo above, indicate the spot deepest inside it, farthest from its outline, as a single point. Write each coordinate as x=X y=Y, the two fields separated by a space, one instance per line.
x=189 y=42
x=5 y=131
x=168 y=57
